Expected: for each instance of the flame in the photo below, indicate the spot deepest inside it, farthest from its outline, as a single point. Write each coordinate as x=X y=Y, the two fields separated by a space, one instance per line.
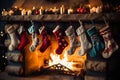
x=55 y=59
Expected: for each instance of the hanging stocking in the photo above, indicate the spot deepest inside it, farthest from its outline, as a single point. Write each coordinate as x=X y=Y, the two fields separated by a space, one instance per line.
x=14 y=40
x=23 y=41
x=110 y=45
x=35 y=42
x=97 y=42
x=62 y=43
x=45 y=41
x=73 y=41
x=85 y=44
x=20 y=29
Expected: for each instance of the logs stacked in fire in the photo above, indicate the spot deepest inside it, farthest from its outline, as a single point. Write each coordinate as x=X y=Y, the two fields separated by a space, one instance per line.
x=61 y=69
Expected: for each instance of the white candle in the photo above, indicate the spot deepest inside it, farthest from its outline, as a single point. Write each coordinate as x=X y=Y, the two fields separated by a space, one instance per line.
x=29 y=12
x=23 y=12
x=99 y=9
x=11 y=12
x=41 y=10
x=4 y=12
x=62 y=9
x=70 y=11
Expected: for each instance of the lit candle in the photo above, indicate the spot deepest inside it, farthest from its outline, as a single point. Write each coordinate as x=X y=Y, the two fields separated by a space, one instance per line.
x=92 y=10
x=70 y=11
x=4 y=12
x=11 y=12
x=62 y=9
x=41 y=10
x=89 y=6
x=29 y=12
x=23 y=12
x=99 y=9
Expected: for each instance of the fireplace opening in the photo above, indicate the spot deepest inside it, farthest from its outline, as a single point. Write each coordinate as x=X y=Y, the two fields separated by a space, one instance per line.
x=64 y=64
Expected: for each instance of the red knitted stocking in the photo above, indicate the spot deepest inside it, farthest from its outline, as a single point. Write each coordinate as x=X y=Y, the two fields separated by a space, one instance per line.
x=62 y=43
x=45 y=41
x=23 y=41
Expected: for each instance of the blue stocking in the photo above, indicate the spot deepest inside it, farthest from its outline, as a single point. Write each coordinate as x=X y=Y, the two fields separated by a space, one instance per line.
x=97 y=42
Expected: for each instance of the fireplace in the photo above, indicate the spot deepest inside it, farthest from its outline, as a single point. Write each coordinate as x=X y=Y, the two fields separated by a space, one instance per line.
x=51 y=62
x=66 y=64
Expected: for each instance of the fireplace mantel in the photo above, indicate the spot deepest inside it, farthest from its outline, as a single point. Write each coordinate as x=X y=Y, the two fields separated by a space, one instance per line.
x=112 y=17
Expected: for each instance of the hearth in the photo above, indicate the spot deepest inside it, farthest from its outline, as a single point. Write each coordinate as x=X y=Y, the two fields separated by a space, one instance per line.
x=64 y=67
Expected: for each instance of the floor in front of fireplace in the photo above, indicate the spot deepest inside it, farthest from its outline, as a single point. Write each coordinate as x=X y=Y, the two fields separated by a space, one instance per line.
x=5 y=76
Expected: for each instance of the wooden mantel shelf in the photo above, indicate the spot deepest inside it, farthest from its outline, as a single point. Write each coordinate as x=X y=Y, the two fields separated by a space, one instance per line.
x=115 y=17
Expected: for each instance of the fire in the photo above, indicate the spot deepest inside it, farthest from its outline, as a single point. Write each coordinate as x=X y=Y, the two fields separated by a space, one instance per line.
x=55 y=59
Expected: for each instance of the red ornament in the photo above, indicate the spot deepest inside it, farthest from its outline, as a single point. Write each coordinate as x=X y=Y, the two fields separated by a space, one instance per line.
x=81 y=10
x=37 y=12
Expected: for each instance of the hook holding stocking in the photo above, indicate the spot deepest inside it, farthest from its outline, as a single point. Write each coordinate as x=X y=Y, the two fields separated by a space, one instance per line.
x=105 y=20
x=81 y=23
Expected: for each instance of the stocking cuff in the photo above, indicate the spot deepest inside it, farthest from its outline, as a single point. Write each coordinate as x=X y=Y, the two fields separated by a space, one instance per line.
x=80 y=30
x=69 y=31
x=20 y=29
x=16 y=26
x=11 y=29
x=31 y=29
x=57 y=28
x=92 y=31
x=41 y=29
x=105 y=29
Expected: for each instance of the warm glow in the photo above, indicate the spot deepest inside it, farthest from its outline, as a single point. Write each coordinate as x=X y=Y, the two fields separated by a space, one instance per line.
x=55 y=59
x=64 y=60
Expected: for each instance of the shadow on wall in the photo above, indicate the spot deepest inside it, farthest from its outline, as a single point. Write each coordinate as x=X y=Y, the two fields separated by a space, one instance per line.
x=28 y=4
x=5 y=4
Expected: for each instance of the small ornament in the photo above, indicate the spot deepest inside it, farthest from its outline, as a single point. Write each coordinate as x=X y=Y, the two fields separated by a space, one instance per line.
x=37 y=11
x=4 y=12
x=62 y=9
x=46 y=11
x=81 y=10
x=70 y=10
